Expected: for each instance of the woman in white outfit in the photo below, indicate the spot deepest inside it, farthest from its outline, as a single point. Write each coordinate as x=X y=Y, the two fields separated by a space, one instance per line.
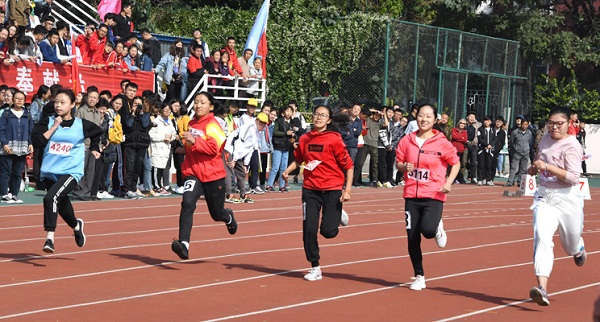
x=557 y=203
x=162 y=134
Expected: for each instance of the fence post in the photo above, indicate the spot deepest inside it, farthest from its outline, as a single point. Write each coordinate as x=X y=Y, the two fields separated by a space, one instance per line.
x=387 y=62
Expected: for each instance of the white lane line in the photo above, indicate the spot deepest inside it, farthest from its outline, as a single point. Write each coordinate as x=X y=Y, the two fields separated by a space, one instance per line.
x=382 y=289
x=255 y=278
x=458 y=317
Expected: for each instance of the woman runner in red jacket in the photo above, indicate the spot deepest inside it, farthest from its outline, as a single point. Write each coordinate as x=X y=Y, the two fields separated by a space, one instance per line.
x=327 y=164
x=424 y=156
x=203 y=172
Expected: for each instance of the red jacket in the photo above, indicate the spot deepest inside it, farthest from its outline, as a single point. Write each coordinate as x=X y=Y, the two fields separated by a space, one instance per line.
x=203 y=159
x=83 y=43
x=326 y=159
x=573 y=129
x=233 y=59
x=431 y=161
x=459 y=138
x=96 y=44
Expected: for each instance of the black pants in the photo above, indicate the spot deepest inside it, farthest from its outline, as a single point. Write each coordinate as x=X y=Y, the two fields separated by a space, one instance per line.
x=361 y=154
x=166 y=175
x=422 y=217
x=134 y=161
x=264 y=159
x=119 y=173
x=485 y=166
x=57 y=202
x=214 y=192
x=253 y=173
x=385 y=172
x=177 y=161
x=472 y=154
x=312 y=202
x=97 y=179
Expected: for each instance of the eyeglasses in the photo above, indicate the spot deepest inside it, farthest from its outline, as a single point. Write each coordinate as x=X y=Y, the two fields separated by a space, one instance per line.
x=557 y=124
x=320 y=115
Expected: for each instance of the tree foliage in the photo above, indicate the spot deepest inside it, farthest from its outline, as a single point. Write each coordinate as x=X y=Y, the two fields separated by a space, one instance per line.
x=563 y=92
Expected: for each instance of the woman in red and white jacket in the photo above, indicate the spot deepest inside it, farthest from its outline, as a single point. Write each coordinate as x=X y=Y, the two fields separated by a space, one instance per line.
x=424 y=156
x=327 y=164
x=203 y=172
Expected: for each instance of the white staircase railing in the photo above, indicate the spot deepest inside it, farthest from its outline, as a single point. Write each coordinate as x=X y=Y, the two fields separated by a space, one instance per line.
x=204 y=86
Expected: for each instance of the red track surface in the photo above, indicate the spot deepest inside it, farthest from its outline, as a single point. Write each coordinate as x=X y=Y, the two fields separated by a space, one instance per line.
x=127 y=271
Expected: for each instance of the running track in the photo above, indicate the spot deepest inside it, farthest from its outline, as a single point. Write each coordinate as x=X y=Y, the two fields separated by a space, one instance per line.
x=127 y=271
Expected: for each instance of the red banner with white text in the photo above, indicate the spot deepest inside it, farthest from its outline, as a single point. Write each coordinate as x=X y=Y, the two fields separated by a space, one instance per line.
x=28 y=76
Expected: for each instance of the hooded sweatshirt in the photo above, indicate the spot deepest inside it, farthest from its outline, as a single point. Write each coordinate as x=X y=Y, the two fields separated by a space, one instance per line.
x=326 y=159
x=431 y=161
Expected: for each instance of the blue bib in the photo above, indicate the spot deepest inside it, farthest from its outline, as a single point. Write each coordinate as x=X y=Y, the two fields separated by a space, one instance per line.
x=65 y=152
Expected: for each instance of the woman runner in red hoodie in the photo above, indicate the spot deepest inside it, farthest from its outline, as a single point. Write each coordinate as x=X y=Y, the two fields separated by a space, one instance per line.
x=327 y=164
x=203 y=172
x=424 y=156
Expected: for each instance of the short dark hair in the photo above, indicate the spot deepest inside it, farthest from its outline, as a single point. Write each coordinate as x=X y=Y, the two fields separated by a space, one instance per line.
x=230 y=38
x=145 y=30
x=92 y=89
x=106 y=92
x=53 y=32
x=541 y=124
x=472 y=112
x=103 y=25
x=124 y=81
x=132 y=85
x=197 y=29
x=111 y=16
x=124 y=5
x=60 y=25
x=102 y=102
x=40 y=30
x=560 y=110
x=500 y=118
x=48 y=18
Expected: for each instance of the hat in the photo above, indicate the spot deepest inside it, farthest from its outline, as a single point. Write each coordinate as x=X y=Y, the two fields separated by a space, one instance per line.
x=252 y=102
x=520 y=117
x=262 y=117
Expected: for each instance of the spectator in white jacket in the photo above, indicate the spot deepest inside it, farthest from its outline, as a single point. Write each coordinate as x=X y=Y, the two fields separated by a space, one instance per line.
x=162 y=134
x=241 y=144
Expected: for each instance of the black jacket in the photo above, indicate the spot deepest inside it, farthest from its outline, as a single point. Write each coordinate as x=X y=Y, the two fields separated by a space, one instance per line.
x=500 y=140
x=281 y=141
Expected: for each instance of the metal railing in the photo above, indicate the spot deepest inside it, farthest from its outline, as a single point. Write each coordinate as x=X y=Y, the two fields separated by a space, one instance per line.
x=204 y=86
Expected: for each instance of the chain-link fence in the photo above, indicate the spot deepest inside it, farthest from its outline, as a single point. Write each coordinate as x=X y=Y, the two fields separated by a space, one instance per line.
x=460 y=71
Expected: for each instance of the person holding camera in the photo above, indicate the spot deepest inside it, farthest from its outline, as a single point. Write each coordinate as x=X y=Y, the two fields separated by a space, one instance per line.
x=137 y=139
x=573 y=124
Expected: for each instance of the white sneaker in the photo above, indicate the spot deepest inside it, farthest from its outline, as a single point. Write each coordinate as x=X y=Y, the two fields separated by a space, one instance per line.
x=258 y=190
x=418 y=284
x=179 y=190
x=440 y=236
x=6 y=198
x=387 y=184
x=345 y=218
x=314 y=274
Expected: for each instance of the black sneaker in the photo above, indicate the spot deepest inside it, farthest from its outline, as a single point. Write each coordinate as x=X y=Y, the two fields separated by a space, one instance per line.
x=539 y=296
x=79 y=235
x=48 y=246
x=179 y=248
x=232 y=224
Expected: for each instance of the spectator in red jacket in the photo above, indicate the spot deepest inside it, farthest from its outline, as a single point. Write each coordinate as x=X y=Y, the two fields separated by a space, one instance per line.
x=195 y=67
x=459 y=139
x=98 y=40
x=230 y=49
x=573 y=124
x=328 y=167
x=107 y=58
x=83 y=43
x=203 y=172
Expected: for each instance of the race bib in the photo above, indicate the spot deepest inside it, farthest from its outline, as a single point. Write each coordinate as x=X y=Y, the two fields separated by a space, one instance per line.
x=312 y=165
x=197 y=133
x=421 y=175
x=60 y=148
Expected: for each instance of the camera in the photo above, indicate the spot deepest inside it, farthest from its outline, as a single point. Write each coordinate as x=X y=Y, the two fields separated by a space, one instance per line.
x=139 y=107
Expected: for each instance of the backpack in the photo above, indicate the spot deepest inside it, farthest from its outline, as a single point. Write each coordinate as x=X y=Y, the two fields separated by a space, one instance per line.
x=115 y=131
